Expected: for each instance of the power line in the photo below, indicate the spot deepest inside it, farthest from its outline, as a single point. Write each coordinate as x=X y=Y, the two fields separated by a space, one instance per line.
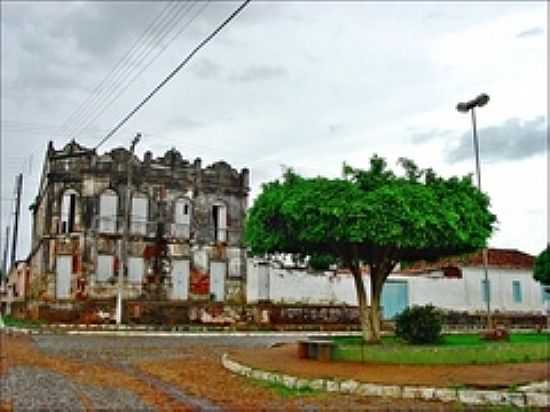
x=173 y=73
x=123 y=61
x=166 y=26
x=145 y=66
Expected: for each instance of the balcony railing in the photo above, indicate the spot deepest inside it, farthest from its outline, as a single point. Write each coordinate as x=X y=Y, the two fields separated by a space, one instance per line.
x=107 y=224
x=178 y=230
x=113 y=225
x=220 y=235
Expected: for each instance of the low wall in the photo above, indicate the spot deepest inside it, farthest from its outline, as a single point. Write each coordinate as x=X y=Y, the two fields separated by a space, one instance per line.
x=259 y=316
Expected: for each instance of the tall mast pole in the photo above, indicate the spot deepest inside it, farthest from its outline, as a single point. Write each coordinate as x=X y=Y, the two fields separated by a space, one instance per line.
x=19 y=186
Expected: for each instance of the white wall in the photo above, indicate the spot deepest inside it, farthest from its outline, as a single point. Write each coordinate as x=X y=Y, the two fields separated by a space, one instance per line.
x=465 y=294
x=300 y=286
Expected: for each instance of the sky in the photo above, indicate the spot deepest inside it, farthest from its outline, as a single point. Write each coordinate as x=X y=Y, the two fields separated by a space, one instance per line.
x=307 y=85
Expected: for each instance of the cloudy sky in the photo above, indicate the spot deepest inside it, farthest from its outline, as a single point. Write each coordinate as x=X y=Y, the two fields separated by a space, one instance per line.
x=302 y=84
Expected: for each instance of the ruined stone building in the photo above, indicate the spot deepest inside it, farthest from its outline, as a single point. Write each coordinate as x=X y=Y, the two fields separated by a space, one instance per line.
x=185 y=228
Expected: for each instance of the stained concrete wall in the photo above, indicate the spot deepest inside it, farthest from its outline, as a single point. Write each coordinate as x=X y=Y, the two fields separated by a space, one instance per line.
x=300 y=286
x=466 y=294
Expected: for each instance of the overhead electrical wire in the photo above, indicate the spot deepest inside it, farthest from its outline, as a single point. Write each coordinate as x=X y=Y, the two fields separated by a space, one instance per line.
x=119 y=66
x=165 y=25
x=173 y=73
x=145 y=66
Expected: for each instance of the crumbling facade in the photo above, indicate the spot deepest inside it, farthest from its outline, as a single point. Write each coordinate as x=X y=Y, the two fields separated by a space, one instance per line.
x=184 y=225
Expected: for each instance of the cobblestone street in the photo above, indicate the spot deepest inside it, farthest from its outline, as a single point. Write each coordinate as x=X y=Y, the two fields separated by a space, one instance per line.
x=85 y=373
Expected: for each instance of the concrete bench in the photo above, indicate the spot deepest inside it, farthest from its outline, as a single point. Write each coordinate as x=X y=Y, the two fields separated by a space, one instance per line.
x=315 y=349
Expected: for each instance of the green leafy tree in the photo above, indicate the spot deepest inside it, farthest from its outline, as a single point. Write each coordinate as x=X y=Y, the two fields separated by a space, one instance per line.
x=541 y=271
x=370 y=217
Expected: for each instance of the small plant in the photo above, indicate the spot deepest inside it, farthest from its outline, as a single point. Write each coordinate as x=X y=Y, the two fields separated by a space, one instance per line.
x=419 y=324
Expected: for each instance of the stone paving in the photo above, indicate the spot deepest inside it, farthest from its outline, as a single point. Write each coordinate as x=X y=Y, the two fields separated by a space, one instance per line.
x=32 y=389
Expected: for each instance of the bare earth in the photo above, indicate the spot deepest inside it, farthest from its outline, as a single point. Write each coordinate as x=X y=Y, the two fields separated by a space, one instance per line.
x=85 y=373
x=284 y=359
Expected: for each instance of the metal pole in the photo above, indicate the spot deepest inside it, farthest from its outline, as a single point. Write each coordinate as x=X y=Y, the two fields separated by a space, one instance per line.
x=123 y=255
x=484 y=252
x=5 y=255
x=19 y=185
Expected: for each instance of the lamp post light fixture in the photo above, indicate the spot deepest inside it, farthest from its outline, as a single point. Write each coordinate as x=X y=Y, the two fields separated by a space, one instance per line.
x=465 y=107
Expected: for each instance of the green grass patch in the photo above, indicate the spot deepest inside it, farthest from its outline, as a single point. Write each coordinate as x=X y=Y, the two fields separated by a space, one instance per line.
x=284 y=392
x=453 y=349
x=19 y=323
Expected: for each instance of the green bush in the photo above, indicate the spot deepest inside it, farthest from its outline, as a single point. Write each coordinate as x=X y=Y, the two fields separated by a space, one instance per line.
x=419 y=324
x=321 y=262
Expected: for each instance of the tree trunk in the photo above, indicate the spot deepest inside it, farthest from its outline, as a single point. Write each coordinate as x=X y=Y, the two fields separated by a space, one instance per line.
x=374 y=313
x=364 y=316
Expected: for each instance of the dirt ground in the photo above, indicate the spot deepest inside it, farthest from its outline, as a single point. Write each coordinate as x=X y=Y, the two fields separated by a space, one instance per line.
x=192 y=369
x=18 y=351
x=203 y=377
x=284 y=359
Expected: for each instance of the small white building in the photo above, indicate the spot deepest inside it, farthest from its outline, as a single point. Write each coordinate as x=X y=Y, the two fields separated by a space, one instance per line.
x=456 y=284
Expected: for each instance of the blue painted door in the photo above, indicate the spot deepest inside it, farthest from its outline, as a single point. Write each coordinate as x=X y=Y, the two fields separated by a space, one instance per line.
x=395 y=298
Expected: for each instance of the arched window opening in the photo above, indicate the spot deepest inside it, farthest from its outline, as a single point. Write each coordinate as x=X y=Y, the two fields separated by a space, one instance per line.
x=108 y=206
x=69 y=211
x=182 y=218
x=219 y=217
x=140 y=206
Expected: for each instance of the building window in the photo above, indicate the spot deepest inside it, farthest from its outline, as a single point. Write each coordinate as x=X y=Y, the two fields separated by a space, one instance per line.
x=140 y=207
x=104 y=268
x=486 y=290
x=68 y=212
x=219 y=217
x=546 y=294
x=516 y=291
x=136 y=269
x=182 y=218
x=108 y=206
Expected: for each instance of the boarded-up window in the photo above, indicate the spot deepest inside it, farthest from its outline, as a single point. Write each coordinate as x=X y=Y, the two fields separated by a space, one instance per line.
x=68 y=212
x=139 y=214
x=136 y=269
x=104 y=269
x=63 y=277
x=108 y=205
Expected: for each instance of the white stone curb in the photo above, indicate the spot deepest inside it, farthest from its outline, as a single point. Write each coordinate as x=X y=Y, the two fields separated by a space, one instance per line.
x=465 y=396
x=144 y=333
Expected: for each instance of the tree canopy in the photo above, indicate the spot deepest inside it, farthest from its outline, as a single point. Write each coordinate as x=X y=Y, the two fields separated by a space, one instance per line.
x=370 y=217
x=541 y=271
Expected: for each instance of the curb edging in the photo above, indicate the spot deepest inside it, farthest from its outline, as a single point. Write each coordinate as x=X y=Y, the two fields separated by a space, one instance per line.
x=350 y=386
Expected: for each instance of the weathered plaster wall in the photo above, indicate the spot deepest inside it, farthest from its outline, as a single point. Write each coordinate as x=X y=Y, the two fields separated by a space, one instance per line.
x=466 y=293
x=300 y=286
x=161 y=181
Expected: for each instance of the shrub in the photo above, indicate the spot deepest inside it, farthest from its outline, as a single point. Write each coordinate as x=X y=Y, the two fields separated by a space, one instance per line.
x=419 y=324
x=321 y=262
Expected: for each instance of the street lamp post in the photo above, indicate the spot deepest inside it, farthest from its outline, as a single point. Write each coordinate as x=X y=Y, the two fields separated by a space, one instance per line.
x=465 y=107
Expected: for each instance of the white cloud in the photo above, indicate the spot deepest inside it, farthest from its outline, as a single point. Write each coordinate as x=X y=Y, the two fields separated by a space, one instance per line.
x=344 y=80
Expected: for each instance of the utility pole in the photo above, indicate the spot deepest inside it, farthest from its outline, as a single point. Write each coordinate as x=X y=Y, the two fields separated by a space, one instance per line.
x=123 y=250
x=19 y=186
x=5 y=254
